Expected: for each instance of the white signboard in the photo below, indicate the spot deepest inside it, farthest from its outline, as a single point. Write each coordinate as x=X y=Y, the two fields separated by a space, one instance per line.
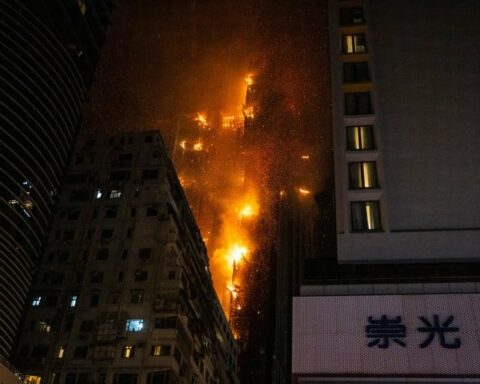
x=388 y=334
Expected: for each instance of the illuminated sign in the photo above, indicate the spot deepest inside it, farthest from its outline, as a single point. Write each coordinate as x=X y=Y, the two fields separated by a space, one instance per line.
x=387 y=334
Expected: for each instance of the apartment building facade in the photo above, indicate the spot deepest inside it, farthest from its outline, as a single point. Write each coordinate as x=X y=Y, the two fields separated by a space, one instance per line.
x=124 y=292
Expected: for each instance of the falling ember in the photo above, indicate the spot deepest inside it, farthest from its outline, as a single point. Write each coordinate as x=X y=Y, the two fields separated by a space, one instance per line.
x=246 y=211
x=249 y=79
x=183 y=144
x=305 y=157
x=303 y=191
x=201 y=120
x=198 y=146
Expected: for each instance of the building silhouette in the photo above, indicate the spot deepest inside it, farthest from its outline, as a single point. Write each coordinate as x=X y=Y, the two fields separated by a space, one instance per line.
x=49 y=52
x=397 y=295
x=124 y=292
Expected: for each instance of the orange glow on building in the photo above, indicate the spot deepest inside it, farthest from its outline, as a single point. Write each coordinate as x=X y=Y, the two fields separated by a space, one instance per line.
x=198 y=146
x=201 y=120
x=303 y=191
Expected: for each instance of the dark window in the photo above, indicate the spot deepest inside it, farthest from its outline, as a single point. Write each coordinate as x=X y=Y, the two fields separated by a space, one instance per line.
x=149 y=174
x=125 y=254
x=87 y=325
x=119 y=175
x=68 y=323
x=111 y=141
x=365 y=216
x=355 y=43
x=125 y=157
x=68 y=235
x=57 y=278
x=355 y=72
x=89 y=234
x=70 y=378
x=125 y=378
x=172 y=275
x=94 y=213
x=39 y=351
x=111 y=213
x=102 y=254
x=97 y=277
x=362 y=174
x=136 y=193
x=80 y=352
x=90 y=143
x=76 y=178
x=94 y=300
x=156 y=154
x=129 y=232
x=152 y=211
x=136 y=297
x=80 y=195
x=351 y=16
x=141 y=275
x=73 y=215
x=82 y=378
x=130 y=140
x=166 y=322
x=107 y=234
x=360 y=138
x=133 y=212
x=62 y=256
x=79 y=160
x=51 y=301
x=120 y=277
x=358 y=103
x=145 y=253
x=148 y=139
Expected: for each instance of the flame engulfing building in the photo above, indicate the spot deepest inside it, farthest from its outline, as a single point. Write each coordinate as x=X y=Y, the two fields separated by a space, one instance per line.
x=48 y=56
x=399 y=299
x=124 y=293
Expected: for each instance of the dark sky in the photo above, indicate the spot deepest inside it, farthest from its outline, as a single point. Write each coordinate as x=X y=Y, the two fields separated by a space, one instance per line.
x=162 y=58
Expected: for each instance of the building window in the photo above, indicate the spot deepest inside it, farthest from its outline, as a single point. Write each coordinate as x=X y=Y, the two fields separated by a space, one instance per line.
x=87 y=325
x=80 y=352
x=355 y=72
x=125 y=378
x=136 y=297
x=102 y=254
x=144 y=253
x=44 y=326
x=98 y=194
x=365 y=216
x=115 y=194
x=39 y=351
x=119 y=175
x=128 y=351
x=133 y=212
x=166 y=322
x=172 y=275
x=351 y=16
x=149 y=174
x=360 y=138
x=134 y=325
x=51 y=301
x=152 y=211
x=97 y=277
x=161 y=350
x=111 y=213
x=107 y=234
x=362 y=174
x=36 y=301
x=355 y=43
x=94 y=299
x=148 y=139
x=120 y=276
x=141 y=275
x=61 y=352
x=358 y=103
x=73 y=301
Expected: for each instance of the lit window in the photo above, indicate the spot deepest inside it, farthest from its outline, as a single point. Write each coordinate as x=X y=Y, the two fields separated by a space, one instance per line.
x=362 y=174
x=115 y=194
x=134 y=325
x=355 y=43
x=44 y=326
x=358 y=103
x=365 y=216
x=31 y=379
x=73 y=301
x=360 y=138
x=161 y=350
x=36 y=301
x=351 y=16
x=98 y=194
x=128 y=351
x=61 y=352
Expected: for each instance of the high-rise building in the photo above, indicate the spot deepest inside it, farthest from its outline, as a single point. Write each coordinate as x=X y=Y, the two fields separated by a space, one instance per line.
x=399 y=299
x=124 y=292
x=48 y=54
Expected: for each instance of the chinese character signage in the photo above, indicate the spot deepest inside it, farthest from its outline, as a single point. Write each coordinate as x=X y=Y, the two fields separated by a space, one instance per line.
x=388 y=334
